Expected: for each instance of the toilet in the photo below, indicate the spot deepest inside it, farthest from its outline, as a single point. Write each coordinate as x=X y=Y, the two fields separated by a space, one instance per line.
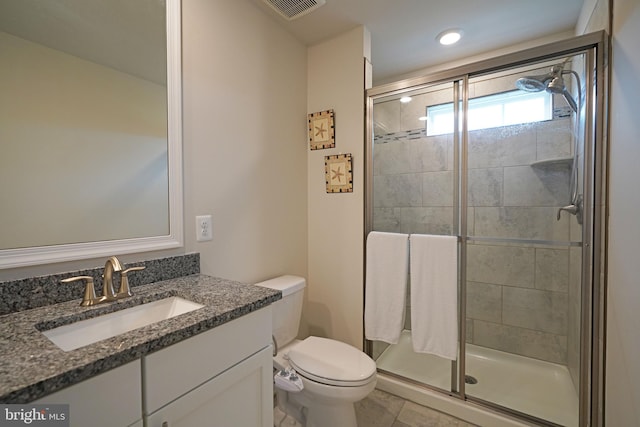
x=317 y=380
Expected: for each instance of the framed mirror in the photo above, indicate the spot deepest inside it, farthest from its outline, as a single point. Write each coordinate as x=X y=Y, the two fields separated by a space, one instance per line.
x=90 y=129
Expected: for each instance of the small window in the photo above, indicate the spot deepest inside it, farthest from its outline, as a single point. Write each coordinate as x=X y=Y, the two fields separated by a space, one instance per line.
x=503 y=109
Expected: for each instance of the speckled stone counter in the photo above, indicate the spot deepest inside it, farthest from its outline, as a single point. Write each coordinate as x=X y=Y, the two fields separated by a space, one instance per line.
x=32 y=366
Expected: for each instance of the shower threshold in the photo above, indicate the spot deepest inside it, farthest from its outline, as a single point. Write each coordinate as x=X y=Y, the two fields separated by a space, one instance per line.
x=541 y=389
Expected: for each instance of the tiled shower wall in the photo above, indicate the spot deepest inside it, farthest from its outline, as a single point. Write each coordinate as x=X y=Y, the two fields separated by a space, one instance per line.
x=518 y=295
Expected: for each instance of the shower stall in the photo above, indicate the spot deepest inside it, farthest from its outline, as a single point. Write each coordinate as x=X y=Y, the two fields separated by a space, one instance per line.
x=507 y=155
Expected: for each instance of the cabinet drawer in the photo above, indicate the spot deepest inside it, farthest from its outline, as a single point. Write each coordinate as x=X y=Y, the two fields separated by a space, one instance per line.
x=107 y=400
x=239 y=397
x=174 y=371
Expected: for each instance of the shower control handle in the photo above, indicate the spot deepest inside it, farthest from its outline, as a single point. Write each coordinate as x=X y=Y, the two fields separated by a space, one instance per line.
x=572 y=209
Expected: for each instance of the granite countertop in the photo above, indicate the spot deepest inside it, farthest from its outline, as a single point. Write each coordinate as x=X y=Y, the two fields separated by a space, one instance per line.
x=32 y=367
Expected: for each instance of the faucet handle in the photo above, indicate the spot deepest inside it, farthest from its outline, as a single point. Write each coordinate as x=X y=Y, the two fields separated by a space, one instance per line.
x=89 y=297
x=133 y=269
x=125 y=290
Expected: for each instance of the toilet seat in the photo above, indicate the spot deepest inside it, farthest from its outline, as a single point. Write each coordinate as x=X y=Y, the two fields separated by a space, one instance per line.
x=331 y=362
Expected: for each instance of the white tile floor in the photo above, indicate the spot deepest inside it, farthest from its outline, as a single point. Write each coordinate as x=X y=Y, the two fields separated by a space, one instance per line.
x=381 y=409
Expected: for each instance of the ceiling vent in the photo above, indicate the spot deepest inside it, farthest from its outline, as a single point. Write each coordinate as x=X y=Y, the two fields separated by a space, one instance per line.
x=293 y=9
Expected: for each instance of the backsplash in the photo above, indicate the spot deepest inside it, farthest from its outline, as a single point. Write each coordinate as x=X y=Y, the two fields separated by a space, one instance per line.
x=24 y=294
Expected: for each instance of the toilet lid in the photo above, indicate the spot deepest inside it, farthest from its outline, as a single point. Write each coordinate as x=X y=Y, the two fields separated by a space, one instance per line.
x=331 y=362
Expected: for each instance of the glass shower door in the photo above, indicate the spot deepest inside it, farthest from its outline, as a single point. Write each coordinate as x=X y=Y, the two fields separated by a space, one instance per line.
x=414 y=180
x=510 y=159
x=524 y=246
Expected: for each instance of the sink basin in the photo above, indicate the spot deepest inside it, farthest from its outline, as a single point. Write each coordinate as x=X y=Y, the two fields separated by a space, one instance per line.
x=85 y=332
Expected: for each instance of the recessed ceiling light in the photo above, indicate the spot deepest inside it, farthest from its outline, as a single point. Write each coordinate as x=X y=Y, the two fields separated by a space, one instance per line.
x=423 y=118
x=405 y=99
x=449 y=36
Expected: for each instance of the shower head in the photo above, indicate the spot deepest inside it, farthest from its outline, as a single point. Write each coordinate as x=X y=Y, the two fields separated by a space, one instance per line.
x=532 y=83
x=538 y=83
x=552 y=82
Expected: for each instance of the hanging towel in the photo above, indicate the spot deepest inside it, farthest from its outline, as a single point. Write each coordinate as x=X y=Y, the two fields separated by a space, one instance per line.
x=386 y=285
x=434 y=295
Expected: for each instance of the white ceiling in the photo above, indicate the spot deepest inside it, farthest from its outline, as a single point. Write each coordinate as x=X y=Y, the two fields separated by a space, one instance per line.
x=403 y=32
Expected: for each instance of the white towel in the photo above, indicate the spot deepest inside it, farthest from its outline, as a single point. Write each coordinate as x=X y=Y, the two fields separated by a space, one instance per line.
x=387 y=269
x=434 y=295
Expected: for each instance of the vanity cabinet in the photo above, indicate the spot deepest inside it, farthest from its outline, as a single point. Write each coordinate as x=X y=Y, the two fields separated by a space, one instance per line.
x=222 y=377
x=113 y=398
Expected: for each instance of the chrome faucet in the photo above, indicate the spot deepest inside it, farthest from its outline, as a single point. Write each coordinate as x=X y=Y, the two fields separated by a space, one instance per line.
x=110 y=266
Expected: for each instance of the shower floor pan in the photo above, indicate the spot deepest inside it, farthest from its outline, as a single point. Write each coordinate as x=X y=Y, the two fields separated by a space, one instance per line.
x=535 y=387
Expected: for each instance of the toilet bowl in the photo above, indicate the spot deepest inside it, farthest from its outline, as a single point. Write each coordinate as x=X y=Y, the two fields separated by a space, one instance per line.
x=333 y=375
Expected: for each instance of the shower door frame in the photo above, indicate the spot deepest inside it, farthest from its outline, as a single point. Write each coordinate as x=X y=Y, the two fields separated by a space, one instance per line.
x=594 y=46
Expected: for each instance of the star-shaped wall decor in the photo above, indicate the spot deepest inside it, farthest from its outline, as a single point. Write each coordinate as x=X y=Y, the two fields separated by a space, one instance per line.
x=338 y=173
x=321 y=130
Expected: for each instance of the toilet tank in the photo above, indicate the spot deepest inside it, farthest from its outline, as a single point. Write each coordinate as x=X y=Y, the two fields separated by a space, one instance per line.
x=287 y=311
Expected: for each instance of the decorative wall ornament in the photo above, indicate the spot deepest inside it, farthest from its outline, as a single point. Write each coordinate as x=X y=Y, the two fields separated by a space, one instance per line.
x=321 y=130
x=337 y=172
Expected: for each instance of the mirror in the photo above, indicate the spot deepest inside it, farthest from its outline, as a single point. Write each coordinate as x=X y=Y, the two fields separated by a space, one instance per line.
x=90 y=129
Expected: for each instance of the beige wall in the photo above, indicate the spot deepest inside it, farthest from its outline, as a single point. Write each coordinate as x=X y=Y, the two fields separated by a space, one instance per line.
x=336 y=80
x=622 y=393
x=594 y=16
x=244 y=91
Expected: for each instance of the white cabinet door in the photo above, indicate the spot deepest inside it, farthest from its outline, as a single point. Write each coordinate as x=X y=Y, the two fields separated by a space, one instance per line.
x=178 y=369
x=242 y=396
x=111 y=399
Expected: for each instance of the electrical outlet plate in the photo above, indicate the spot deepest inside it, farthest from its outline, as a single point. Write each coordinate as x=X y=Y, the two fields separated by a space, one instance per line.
x=204 y=228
